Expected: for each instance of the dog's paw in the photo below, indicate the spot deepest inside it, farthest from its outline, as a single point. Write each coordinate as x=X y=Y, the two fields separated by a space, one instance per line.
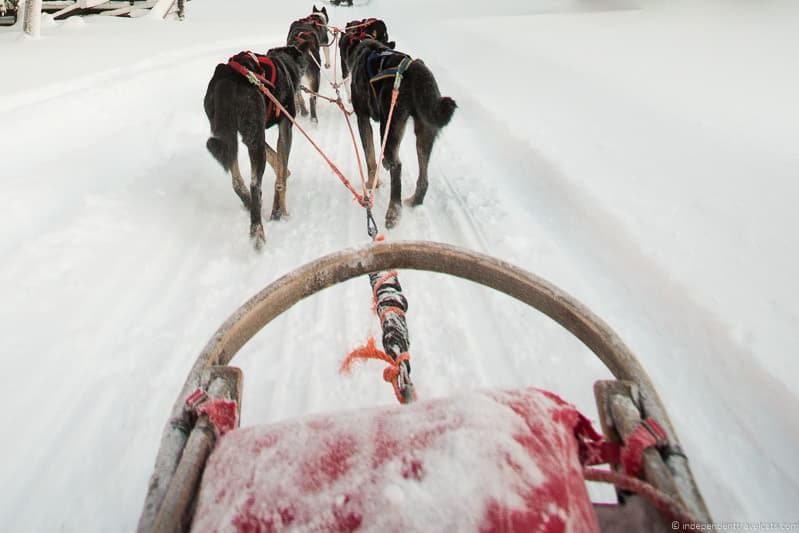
x=314 y=121
x=278 y=214
x=257 y=236
x=393 y=214
x=413 y=201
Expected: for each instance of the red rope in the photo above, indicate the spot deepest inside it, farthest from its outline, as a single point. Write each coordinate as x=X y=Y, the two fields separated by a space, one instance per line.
x=367 y=198
x=363 y=200
x=371 y=351
x=664 y=503
x=379 y=283
x=381 y=313
x=394 y=95
x=323 y=97
x=363 y=24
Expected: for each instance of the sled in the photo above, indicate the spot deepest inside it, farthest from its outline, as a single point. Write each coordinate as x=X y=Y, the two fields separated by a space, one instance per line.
x=500 y=460
x=9 y=10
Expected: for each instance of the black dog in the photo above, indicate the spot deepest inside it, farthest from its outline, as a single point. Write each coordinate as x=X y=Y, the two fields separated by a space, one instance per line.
x=374 y=67
x=312 y=28
x=235 y=106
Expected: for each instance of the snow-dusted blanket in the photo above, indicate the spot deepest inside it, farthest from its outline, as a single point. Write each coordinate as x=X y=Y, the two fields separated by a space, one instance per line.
x=489 y=461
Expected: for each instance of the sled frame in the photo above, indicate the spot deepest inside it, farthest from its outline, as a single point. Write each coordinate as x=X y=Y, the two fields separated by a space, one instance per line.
x=283 y=293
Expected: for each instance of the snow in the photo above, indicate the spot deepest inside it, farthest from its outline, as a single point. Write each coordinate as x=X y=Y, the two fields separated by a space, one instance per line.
x=640 y=155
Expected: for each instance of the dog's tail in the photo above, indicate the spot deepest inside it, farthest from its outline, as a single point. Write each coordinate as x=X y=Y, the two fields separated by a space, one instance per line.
x=222 y=151
x=443 y=111
x=433 y=108
x=223 y=143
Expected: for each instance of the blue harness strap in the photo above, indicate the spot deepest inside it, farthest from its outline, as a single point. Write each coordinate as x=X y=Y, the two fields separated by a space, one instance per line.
x=377 y=72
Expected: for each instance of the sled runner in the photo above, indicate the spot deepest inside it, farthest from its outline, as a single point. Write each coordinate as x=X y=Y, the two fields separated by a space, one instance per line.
x=498 y=460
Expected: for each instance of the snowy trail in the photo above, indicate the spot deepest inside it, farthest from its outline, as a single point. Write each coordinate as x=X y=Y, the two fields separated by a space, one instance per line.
x=126 y=248
x=663 y=322
x=140 y=270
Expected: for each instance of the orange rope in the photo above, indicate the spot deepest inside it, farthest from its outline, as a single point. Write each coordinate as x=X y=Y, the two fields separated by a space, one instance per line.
x=363 y=24
x=376 y=177
x=381 y=313
x=379 y=283
x=362 y=199
x=366 y=199
x=371 y=351
x=326 y=98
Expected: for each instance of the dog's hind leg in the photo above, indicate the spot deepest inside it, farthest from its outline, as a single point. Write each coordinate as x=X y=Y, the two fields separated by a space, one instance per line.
x=257 y=165
x=238 y=184
x=425 y=136
x=347 y=82
x=283 y=149
x=392 y=162
x=224 y=143
x=314 y=75
x=368 y=142
x=299 y=102
x=274 y=160
x=225 y=150
x=326 y=50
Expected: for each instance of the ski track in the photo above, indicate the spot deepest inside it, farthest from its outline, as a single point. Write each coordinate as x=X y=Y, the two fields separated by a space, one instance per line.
x=669 y=314
x=176 y=238
x=288 y=372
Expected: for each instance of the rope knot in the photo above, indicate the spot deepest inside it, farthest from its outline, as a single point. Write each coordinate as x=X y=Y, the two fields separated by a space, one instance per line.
x=391 y=373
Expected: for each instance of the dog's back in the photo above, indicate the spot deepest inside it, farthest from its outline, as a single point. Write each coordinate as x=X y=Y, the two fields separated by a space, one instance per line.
x=313 y=26
x=356 y=31
x=234 y=105
x=427 y=102
x=419 y=95
x=311 y=32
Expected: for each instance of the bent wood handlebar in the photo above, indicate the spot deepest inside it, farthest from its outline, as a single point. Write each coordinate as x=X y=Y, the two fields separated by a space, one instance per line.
x=341 y=266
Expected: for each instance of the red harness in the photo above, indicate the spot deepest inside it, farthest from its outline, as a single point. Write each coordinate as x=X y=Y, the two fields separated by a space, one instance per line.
x=365 y=24
x=267 y=75
x=303 y=37
x=312 y=19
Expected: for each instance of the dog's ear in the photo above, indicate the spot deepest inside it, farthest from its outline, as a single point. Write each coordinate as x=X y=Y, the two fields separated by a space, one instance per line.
x=314 y=9
x=324 y=10
x=391 y=44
